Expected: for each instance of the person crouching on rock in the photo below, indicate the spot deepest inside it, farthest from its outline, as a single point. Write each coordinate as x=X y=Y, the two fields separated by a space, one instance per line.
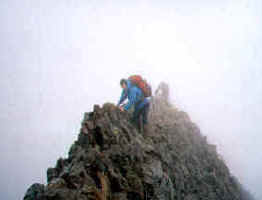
x=136 y=97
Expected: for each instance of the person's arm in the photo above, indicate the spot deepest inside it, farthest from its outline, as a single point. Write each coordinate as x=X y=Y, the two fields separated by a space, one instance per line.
x=123 y=97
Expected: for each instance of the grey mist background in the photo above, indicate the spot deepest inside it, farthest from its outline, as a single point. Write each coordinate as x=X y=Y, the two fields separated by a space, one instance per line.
x=59 y=58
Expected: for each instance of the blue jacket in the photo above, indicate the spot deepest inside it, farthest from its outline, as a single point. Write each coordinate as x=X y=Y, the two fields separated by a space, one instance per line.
x=133 y=93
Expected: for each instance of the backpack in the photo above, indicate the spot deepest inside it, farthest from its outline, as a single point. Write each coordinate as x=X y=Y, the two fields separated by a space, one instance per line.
x=142 y=84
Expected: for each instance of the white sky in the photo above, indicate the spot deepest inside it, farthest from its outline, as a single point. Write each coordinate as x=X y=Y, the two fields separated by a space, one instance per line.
x=59 y=58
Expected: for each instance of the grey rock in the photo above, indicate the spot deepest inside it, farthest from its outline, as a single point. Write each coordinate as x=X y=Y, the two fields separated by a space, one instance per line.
x=35 y=192
x=111 y=160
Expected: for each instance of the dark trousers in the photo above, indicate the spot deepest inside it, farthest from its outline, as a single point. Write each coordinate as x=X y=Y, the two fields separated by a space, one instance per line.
x=141 y=111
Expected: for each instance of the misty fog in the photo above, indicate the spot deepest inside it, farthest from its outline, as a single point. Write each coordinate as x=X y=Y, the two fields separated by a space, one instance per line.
x=59 y=58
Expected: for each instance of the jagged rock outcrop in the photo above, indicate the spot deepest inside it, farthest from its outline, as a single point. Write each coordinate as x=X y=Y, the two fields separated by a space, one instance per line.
x=112 y=160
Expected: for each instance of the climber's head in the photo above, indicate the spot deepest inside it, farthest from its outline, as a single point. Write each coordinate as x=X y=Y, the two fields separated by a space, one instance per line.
x=123 y=83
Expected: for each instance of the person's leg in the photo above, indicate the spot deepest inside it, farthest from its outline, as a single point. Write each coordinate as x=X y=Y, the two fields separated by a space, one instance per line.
x=135 y=116
x=145 y=113
x=136 y=119
x=143 y=109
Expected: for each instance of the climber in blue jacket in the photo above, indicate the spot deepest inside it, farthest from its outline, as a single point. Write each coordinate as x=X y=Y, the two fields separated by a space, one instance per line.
x=135 y=97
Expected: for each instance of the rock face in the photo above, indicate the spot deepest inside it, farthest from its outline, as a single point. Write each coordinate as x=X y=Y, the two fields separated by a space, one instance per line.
x=112 y=160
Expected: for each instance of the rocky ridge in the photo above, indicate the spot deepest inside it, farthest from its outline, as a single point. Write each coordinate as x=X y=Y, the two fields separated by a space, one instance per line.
x=112 y=160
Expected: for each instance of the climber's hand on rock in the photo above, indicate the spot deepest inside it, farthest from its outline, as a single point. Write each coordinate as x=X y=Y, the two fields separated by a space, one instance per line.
x=121 y=108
